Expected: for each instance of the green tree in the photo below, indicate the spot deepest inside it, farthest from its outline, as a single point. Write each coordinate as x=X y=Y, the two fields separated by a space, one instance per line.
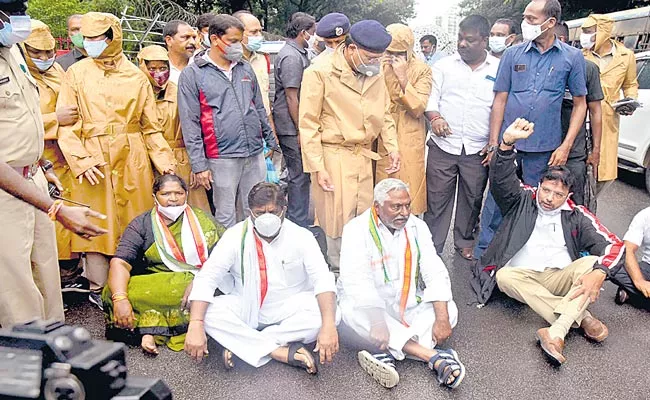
x=55 y=13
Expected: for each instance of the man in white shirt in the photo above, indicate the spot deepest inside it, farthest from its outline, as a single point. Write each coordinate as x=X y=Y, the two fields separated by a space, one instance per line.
x=394 y=289
x=459 y=111
x=280 y=293
x=180 y=39
x=634 y=279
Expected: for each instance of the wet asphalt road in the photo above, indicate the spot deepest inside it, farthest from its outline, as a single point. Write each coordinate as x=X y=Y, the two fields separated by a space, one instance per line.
x=496 y=343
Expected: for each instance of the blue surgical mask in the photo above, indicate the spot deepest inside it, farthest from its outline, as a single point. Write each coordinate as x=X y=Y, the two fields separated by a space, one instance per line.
x=43 y=65
x=16 y=30
x=95 y=48
x=254 y=42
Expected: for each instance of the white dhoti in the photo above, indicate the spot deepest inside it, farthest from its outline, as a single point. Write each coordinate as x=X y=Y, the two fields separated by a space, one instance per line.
x=296 y=319
x=419 y=318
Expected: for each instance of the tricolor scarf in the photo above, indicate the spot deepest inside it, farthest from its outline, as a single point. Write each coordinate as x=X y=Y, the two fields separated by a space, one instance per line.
x=195 y=248
x=408 y=262
x=253 y=270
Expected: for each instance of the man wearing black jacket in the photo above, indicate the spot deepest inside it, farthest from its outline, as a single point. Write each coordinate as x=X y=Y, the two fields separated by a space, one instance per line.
x=548 y=252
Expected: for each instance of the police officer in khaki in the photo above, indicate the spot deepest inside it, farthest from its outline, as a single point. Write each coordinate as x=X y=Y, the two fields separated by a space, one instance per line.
x=344 y=108
x=29 y=288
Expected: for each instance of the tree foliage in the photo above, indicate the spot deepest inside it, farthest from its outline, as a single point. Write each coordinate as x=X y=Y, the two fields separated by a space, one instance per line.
x=55 y=13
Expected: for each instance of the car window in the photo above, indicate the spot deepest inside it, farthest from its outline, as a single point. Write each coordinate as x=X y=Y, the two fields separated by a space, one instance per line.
x=643 y=71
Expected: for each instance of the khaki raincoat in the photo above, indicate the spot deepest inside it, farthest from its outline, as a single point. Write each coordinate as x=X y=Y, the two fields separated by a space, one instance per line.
x=619 y=74
x=167 y=107
x=118 y=132
x=407 y=109
x=341 y=115
x=49 y=83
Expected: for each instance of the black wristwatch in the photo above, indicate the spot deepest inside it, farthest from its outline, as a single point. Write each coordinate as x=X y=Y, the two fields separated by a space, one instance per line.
x=508 y=144
x=46 y=165
x=492 y=148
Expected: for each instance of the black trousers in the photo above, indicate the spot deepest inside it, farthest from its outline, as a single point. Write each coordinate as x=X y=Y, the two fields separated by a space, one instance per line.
x=299 y=181
x=445 y=173
x=624 y=281
x=578 y=168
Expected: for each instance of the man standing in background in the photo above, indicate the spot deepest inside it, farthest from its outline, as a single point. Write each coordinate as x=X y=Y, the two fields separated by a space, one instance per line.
x=502 y=36
x=180 y=40
x=74 y=55
x=429 y=47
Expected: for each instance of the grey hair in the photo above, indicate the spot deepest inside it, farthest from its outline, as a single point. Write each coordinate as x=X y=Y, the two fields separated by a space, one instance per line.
x=386 y=186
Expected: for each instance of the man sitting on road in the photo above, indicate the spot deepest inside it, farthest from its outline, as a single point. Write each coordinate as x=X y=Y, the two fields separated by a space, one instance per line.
x=386 y=252
x=538 y=250
x=283 y=296
x=634 y=279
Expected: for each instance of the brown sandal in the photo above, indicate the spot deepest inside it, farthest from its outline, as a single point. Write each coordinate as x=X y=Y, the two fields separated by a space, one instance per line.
x=227 y=358
x=466 y=252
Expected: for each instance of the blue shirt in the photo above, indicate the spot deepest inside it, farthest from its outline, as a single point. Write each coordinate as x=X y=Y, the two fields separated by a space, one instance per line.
x=535 y=83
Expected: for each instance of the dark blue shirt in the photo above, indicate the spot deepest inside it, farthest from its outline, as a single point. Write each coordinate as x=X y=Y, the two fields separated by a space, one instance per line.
x=535 y=83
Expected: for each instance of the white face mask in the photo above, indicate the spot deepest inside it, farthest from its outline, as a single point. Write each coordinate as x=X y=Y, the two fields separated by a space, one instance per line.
x=206 y=40
x=268 y=225
x=532 y=32
x=328 y=50
x=16 y=30
x=585 y=40
x=43 y=65
x=310 y=41
x=171 y=212
x=498 y=44
x=95 y=48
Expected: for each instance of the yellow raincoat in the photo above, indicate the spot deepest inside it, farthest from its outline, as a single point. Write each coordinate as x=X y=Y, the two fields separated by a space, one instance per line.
x=118 y=132
x=167 y=107
x=407 y=109
x=341 y=115
x=619 y=74
x=49 y=83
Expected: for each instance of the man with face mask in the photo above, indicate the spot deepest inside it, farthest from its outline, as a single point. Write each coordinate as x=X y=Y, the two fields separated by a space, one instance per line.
x=154 y=62
x=283 y=294
x=76 y=53
x=617 y=73
x=224 y=121
x=502 y=36
x=332 y=29
x=203 y=23
x=290 y=63
x=537 y=257
x=345 y=107
x=110 y=149
x=386 y=253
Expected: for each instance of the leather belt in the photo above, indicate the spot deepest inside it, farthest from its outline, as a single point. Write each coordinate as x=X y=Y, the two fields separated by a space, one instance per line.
x=27 y=172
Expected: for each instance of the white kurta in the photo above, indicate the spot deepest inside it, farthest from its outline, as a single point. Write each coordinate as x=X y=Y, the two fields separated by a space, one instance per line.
x=362 y=284
x=296 y=274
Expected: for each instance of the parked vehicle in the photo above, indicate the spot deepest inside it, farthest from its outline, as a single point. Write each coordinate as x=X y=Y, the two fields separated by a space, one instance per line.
x=631 y=27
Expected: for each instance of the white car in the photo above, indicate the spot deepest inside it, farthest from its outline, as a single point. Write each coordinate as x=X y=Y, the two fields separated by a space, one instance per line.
x=634 y=133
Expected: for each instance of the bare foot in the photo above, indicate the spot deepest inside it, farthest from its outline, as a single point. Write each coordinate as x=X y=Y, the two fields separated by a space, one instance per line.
x=148 y=345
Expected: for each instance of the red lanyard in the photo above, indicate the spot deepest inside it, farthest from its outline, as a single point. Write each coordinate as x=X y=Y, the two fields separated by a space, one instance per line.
x=261 y=261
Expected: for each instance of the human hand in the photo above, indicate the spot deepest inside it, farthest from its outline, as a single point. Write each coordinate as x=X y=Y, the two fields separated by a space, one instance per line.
x=559 y=156
x=327 y=343
x=643 y=287
x=51 y=177
x=589 y=286
x=67 y=115
x=196 y=343
x=170 y=170
x=488 y=155
x=379 y=335
x=625 y=110
x=193 y=183
x=76 y=219
x=594 y=159
x=123 y=314
x=441 y=330
x=269 y=154
x=204 y=179
x=441 y=128
x=395 y=163
x=91 y=175
x=185 y=304
x=325 y=181
x=518 y=130
x=399 y=66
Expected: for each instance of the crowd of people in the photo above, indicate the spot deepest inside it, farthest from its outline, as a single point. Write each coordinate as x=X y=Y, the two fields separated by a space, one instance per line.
x=179 y=232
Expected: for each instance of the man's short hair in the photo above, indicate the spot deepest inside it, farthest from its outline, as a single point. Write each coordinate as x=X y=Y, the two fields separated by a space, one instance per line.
x=386 y=186
x=171 y=27
x=552 y=9
x=512 y=27
x=299 y=22
x=562 y=29
x=265 y=193
x=222 y=22
x=70 y=18
x=558 y=173
x=204 y=20
x=429 y=38
x=476 y=23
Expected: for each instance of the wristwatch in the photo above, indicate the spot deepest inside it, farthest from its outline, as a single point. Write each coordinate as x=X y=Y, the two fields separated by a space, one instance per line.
x=492 y=148
x=508 y=144
x=46 y=165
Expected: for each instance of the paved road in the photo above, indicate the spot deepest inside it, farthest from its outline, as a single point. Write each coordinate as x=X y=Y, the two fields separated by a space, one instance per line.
x=496 y=344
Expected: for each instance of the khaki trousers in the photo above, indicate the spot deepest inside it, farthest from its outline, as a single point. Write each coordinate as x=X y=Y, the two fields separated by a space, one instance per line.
x=30 y=287
x=548 y=292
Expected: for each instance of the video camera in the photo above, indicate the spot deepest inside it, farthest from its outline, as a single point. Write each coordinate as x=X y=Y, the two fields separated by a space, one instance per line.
x=52 y=361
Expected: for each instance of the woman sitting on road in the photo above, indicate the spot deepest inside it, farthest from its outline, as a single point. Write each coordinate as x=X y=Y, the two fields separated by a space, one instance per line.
x=151 y=274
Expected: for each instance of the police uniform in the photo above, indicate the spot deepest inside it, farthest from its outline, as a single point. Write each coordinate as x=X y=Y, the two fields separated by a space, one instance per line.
x=30 y=286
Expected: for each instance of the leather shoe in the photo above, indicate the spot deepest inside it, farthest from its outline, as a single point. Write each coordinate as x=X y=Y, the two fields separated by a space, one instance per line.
x=594 y=329
x=552 y=346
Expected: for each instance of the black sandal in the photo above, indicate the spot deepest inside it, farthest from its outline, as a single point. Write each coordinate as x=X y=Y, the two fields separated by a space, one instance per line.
x=294 y=348
x=227 y=358
x=449 y=363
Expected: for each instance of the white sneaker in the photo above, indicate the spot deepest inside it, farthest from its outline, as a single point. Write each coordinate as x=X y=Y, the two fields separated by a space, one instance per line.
x=380 y=366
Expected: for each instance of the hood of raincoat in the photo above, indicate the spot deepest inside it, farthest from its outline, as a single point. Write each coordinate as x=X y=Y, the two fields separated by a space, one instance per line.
x=40 y=39
x=604 y=26
x=152 y=53
x=95 y=24
x=403 y=39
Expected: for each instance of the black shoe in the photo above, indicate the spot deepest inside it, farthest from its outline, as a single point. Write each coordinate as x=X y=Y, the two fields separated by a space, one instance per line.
x=621 y=296
x=96 y=299
x=79 y=285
